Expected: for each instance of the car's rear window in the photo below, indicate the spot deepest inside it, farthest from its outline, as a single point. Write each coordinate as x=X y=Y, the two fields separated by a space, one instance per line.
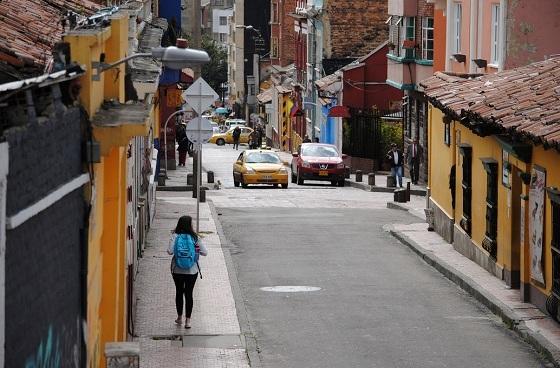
x=262 y=158
x=319 y=151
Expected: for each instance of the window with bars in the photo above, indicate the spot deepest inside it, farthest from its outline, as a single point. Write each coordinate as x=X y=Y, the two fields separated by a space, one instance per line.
x=457 y=21
x=555 y=247
x=495 y=43
x=428 y=38
x=274 y=47
x=466 y=185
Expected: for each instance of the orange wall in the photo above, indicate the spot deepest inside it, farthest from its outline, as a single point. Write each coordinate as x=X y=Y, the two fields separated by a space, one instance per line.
x=439 y=40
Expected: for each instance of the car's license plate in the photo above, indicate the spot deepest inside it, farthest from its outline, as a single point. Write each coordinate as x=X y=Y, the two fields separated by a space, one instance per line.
x=323 y=173
x=267 y=177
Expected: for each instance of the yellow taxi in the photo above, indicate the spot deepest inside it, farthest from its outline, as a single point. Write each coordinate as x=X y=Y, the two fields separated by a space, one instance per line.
x=222 y=138
x=259 y=167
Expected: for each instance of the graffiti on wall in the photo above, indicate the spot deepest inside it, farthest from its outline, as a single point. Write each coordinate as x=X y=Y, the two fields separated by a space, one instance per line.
x=57 y=349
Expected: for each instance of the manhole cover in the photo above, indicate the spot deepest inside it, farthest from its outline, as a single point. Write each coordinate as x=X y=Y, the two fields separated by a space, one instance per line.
x=290 y=289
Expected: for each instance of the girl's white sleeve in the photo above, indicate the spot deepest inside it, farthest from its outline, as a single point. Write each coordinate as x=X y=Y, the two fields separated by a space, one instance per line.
x=171 y=244
x=203 y=251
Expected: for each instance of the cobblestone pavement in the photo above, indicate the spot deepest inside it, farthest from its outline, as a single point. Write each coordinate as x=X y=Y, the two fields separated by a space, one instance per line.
x=163 y=344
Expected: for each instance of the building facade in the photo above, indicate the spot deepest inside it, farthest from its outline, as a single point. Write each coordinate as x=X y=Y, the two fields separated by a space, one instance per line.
x=494 y=173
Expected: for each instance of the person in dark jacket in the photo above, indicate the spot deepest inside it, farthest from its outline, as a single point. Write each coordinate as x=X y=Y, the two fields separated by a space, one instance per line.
x=396 y=159
x=183 y=141
x=236 y=135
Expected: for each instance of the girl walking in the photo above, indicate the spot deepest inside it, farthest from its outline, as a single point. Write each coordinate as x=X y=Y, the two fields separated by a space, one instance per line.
x=185 y=246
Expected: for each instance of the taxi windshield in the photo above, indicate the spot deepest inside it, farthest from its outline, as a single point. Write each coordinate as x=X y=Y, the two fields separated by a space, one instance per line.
x=262 y=158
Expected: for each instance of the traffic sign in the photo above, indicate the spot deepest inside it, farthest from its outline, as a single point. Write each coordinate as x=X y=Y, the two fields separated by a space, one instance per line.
x=200 y=95
x=193 y=130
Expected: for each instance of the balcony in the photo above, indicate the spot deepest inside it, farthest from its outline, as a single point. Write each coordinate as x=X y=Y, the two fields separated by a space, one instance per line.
x=401 y=74
x=403 y=8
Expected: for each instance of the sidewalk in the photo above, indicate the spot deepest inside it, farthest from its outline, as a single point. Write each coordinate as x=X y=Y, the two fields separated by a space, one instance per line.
x=381 y=185
x=215 y=339
x=535 y=327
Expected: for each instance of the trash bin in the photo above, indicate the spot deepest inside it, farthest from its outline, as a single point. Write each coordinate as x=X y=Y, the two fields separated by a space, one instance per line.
x=371 y=178
x=358 y=176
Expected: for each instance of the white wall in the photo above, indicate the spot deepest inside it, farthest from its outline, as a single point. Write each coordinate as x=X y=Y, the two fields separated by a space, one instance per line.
x=216 y=14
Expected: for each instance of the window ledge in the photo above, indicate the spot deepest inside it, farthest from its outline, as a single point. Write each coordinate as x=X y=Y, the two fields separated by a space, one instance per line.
x=425 y=62
x=400 y=59
x=495 y=66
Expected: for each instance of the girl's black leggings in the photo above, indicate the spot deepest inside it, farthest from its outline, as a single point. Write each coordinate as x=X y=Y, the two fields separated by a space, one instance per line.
x=184 y=285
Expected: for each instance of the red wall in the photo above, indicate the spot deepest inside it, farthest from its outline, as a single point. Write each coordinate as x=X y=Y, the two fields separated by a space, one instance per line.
x=359 y=95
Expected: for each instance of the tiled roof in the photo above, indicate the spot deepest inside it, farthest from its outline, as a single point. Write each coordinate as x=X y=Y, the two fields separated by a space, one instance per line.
x=328 y=80
x=523 y=100
x=30 y=28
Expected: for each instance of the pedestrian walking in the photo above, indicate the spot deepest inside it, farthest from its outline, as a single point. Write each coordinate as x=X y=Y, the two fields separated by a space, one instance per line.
x=183 y=141
x=260 y=134
x=414 y=157
x=236 y=135
x=396 y=159
x=185 y=246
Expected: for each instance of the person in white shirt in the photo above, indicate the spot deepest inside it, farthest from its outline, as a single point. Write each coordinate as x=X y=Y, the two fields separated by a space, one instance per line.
x=185 y=278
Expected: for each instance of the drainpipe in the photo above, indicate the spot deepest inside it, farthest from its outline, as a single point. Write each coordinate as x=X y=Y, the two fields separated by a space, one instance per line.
x=473 y=54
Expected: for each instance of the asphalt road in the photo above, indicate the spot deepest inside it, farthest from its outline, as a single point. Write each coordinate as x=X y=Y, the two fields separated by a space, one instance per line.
x=377 y=303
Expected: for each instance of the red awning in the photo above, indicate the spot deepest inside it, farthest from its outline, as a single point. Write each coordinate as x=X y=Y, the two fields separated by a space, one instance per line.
x=339 y=112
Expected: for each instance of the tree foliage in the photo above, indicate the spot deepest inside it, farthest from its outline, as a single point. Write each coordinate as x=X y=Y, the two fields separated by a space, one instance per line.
x=215 y=72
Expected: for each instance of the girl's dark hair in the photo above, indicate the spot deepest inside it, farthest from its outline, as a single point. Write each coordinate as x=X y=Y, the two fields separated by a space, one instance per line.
x=184 y=226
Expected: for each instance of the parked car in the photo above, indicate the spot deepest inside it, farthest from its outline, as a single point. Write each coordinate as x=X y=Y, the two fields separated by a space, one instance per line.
x=318 y=161
x=259 y=167
x=222 y=138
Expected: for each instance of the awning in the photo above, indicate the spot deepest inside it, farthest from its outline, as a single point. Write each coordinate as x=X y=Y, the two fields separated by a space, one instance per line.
x=339 y=112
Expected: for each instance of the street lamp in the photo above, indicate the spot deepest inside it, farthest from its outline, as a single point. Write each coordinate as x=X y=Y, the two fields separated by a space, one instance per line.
x=171 y=57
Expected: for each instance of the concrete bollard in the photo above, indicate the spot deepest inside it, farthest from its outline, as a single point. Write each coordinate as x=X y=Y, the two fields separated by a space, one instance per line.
x=408 y=192
x=210 y=177
x=371 y=179
x=399 y=195
x=161 y=177
x=122 y=354
x=202 y=194
x=391 y=181
x=358 y=176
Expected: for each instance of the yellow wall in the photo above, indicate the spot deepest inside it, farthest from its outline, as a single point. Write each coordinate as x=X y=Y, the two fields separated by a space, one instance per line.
x=550 y=161
x=442 y=157
x=106 y=314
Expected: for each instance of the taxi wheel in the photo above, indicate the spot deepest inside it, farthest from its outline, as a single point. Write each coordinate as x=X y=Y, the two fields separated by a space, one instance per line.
x=285 y=186
x=243 y=184
x=220 y=142
x=299 y=179
x=235 y=182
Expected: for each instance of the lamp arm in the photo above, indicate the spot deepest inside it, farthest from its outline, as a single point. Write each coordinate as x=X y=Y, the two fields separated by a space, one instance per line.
x=100 y=67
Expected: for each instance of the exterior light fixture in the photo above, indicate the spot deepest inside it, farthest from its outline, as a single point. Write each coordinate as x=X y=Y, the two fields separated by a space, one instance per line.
x=171 y=57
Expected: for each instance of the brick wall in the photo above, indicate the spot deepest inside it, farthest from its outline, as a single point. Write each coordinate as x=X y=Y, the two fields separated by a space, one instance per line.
x=353 y=28
x=44 y=254
x=287 y=39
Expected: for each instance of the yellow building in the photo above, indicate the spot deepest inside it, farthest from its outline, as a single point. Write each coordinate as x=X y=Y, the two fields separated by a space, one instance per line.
x=494 y=173
x=113 y=233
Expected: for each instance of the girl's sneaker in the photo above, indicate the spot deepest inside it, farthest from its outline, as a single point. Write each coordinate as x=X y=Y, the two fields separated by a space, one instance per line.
x=178 y=321
x=187 y=323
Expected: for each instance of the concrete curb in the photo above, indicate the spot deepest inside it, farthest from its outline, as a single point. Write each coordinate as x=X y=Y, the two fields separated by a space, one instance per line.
x=251 y=345
x=508 y=316
x=374 y=188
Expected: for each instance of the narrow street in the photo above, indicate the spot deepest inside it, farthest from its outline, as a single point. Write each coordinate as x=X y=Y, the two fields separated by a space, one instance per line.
x=373 y=302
